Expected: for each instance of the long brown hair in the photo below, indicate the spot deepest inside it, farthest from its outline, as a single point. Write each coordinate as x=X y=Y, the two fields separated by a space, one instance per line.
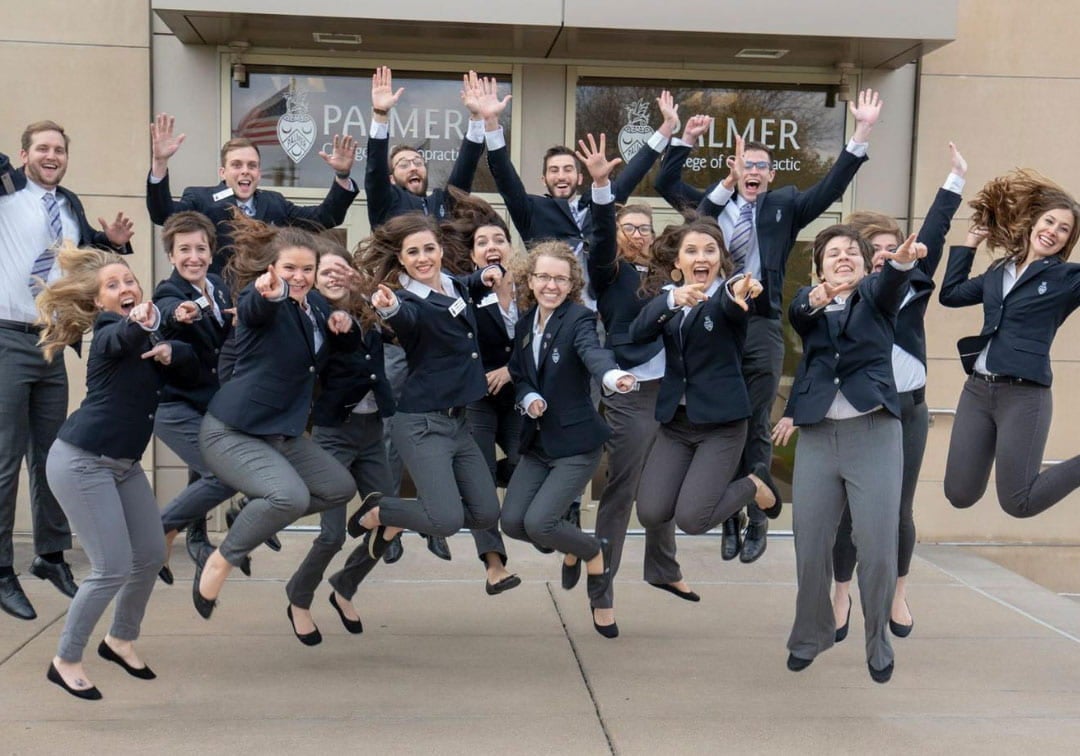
x=458 y=231
x=354 y=302
x=256 y=246
x=524 y=266
x=1008 y=207
x=665 y=251
x=376 y=257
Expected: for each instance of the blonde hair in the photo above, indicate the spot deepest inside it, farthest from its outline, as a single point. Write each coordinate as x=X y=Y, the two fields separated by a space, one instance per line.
x=66 y=308
x=524 y=266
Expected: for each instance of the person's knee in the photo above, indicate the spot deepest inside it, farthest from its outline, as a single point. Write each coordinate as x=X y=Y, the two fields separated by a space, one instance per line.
x=959 y=498
x=293 y=499
x=691 y=525
x=512 y=525
x=445 y=524
x=649 y=517
x=538 y=528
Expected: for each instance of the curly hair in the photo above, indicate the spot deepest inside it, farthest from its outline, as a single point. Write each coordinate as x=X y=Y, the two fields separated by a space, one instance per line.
x=1009 y=206
x=870 y=223
x=837 y=231
x=458 y=232
x=256 y=246
x=665 y=252
x=524 y=266
x=66 y=308
x=376 y=257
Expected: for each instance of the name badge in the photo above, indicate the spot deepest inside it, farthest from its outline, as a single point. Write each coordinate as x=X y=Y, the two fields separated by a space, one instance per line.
x=223 y=194
x=457 y=307
x=490 y=299
x=202 y=302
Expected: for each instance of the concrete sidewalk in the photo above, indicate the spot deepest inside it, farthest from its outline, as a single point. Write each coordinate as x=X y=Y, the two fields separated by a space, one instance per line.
x=993 y=666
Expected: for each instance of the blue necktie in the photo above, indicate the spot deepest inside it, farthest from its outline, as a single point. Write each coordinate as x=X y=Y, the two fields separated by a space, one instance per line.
x=248 y=208
x=742 y=237
x=44 y=262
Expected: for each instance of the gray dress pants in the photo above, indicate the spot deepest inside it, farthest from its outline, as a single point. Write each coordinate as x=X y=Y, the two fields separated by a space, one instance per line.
x=113 y=511
x=763 y=364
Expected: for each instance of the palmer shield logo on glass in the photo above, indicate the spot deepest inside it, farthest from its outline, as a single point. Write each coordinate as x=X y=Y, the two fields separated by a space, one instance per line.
x=636 y=132
x=292 y=114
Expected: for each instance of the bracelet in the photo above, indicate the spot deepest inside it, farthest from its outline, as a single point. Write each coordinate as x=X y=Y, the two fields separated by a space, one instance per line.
x=380 y=112
x=343 y=175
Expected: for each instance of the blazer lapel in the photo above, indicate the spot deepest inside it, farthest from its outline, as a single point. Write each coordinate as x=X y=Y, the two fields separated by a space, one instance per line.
x=1034 y=269
x=551 y=330
x=526 y=340
x=306 y=325
x=687 y=323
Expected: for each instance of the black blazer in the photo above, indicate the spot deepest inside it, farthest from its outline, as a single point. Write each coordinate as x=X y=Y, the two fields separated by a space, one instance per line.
x=669 y=184
x=270 y=389
x=441 y=349
x=386 y=200
x=1020 y=327
x=544 y=217
x=848 y=349
x=204 y=335
x=270 y=207
x=615 y=283
x=911 y=320
x=570 y=356
x=116 y=418
x=781 y=214
x=347 y=377
x=495 y=342
x=704 y=357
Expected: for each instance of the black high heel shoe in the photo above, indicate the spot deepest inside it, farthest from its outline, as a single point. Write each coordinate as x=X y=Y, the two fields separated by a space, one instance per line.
x=842 y=631
x=313 y=638
x=87 y=694
x=106 y=653
x=597 y=585
x=166 y=575
x=608 y=631
x=353 y=626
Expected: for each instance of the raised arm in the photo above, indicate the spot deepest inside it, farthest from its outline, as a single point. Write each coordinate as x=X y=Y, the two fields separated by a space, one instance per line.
x=381 y=197
x=472 y=145
x=601 y=259
x=889 y=288
x=676 y=192
x=164 y=143
x=959 y=289
x=939 y=217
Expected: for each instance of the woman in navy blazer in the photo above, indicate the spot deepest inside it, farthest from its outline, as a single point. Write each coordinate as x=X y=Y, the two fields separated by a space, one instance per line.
x=252 y=435
x=93 y=466
x=1025 y=295
x=195 y=308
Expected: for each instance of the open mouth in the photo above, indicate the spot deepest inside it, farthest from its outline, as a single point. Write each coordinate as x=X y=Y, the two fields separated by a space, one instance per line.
x=1047 y=241
x=127 y=304
x=701 y=273
x=493 y=258
x=753 y=183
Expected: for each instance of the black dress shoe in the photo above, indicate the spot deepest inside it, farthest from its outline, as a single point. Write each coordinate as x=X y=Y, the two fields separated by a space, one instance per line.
x=797 y=663
x=881 y=675
x=762 y=471
x=14 y=601
x=58 y=574
x=684 y=595
x=245 y=565
x=165 y=573
x=353 y=626
x=106 y=653
x=571 y=574
x=597 y=585
x=438 y=546
x=197 y=541
x=573 y=514
x=203 y=605
x=608 y=631
x=273 y=542
x=842 y=631
x=375 y=543
x=394 y=551
x=731 y=540
x=901 y=631
x=508 y=582
x=369 y=503
x=754 y=542
x=86 y=694
x=543 y=549
x=313 y=638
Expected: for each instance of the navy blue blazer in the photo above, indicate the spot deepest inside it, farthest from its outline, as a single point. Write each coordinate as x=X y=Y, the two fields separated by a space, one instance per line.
x=269 y=392
x=570 y=357
x=116 y=418
x=205 y=336
x=441 y=349
x=616 y=283
x=703 y=351
x=544 y=217
x=386 y=200
x=270 y=207
x=847 y=348
x=781 y=214
x=1020 y=327
x=347 y=378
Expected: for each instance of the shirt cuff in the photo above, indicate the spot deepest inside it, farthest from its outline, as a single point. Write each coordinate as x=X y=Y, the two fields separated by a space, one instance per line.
x=155 y=179
x=284 y=293
x=602 y=195
x=611 y=376
x=379 y=130
x=858 y=149
x=658 y=141
x=954 y=184
x=475 y=132
x=903 y=266
x=495 y=139
x=721 y=195
x=530 y=397
x=389 y=312
x=680 y=142
x=157 y=320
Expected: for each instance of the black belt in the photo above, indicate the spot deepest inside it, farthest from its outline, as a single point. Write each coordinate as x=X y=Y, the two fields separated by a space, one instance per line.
x=1008 y=380
x=17 y=325
x=451 y=412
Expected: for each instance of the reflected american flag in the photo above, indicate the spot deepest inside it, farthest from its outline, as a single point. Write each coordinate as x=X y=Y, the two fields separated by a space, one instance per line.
x=260 y=123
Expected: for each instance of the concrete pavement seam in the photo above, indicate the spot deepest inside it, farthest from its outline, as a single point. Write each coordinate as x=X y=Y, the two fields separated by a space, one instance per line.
x=32 y=638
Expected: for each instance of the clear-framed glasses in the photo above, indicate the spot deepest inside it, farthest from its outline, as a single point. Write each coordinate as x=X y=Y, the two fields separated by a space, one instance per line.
x=630 y=229
x=761 y=165
x=416 y=162
x=544 y=279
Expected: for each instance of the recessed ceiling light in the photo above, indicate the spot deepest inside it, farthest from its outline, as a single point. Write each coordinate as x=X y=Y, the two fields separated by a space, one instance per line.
x=335 y=38
x=766 y=53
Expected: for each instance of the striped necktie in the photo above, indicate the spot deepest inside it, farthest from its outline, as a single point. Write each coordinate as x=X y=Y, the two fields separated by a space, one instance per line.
x=44 y=262
x=248 y=208
x=742 y=237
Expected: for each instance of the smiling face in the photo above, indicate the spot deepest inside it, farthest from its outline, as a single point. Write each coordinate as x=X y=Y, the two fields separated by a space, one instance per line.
x=883 y=243
x=330 y=286
x=46 y=160
x=755 y=179
x=550 y=282
x=296 y=266
x=421 y=256
x=842 y=261
x=241 y=171
x=190 y=255
x=490 y=247
x=561 y=176
x=409 y=171
x=635 y=236
x=1050 y=233
x=118 y=289
x=699 y=259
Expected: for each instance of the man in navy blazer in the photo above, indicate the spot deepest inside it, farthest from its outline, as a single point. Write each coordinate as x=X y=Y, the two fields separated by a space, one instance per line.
x=240 y=172
x=35 y=214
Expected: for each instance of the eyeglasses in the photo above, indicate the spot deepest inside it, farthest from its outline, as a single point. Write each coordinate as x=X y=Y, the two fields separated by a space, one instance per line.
x=761 y=165
x=544 y=279
x=415 y=162
x=630 y=229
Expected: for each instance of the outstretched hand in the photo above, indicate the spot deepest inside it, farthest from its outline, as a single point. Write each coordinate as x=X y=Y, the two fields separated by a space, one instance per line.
x=383 y=298
x=120 y=231
x=908 y=252
x=696 y=125
x=824 y=293
x=689 y=295
x=162 y=353
x=744 y=288
x=343 y=156
x=670 y=111
x=736 y=164
x=866 y=110
x=339 y=322
x=595 y=159
x=163 y=141
x=383 y=96
x=957 y=164
x=187 y=313
x=269 y=283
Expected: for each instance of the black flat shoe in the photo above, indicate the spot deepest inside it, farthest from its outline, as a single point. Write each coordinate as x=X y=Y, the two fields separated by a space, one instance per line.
x=438 y=546
x=58 y=574
x=166 y=575
x=353 y=626
x=571 y=574
x=273 y=542
x=508 y=582
x=881 y=675
x=797 y=663
x=375 y=543
x=369 y=503
x=245 y=566
x=762 y=471
x=14 y=601
x=608 y=631
x=684 y=595
x=86 y=694
x=106 y=653
x=901 y=631
x=313 y=638
x=597 y=585
x=842 y=631
x=394 y=551
x=203 y=605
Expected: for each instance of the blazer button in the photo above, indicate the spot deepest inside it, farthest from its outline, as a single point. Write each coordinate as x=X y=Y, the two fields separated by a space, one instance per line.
x=508 y=349
x=213 y=370
x=836 y=356
x=836 y=381
x=374 y=377
x=311 y=369
x=470 y=335
x=150 y=416
x=474 y=355
x=217 y=351
x=367 y=356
